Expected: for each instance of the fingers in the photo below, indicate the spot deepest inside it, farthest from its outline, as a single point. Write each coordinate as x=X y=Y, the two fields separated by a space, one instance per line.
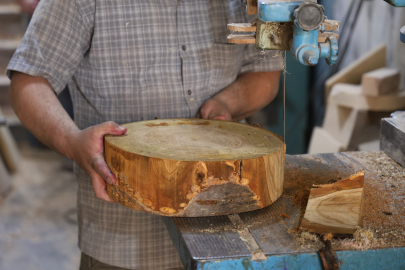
x=219 y=117
x=101 y=168
x=99 y=188
x=111 y=128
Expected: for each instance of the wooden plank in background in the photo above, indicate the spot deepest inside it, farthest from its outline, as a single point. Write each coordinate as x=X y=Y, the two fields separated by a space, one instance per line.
x=352 y=74
x=380 y=81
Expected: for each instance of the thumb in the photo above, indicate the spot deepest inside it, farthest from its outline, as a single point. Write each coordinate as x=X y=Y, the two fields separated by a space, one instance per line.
x=112 y=128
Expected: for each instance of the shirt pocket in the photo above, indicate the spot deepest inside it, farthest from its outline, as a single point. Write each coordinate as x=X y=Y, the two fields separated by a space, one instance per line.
x=226 y=61
x=222 y=13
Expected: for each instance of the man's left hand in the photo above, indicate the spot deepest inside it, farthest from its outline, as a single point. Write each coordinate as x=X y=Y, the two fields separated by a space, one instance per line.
x=214 y=109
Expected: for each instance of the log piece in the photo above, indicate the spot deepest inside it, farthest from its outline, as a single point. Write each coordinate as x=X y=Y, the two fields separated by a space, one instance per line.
x=335 y=208
x=194 y=167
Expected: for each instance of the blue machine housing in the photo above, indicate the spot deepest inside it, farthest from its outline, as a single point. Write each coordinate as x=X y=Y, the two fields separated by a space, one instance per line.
x=396 y=3
x=305 y=47
x=277 y=11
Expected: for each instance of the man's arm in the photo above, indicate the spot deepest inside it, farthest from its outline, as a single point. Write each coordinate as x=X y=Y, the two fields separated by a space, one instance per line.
x=248 y=94
x=39 y=110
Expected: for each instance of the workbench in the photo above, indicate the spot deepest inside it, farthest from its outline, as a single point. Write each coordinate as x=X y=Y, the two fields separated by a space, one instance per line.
x=214 y=242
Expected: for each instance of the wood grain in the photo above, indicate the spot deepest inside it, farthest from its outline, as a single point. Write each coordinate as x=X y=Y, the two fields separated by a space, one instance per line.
x=193 y=167
x=335 y=208
x=251 y=7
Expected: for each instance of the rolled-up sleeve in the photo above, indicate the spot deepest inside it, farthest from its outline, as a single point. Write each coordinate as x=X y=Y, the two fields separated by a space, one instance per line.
x=54 y=44
x=255 y=60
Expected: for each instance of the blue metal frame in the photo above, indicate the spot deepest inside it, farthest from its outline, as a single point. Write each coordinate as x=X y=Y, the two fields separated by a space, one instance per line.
x=391 y=258
x=277 y=11
x=305 y=48
x=396 y=3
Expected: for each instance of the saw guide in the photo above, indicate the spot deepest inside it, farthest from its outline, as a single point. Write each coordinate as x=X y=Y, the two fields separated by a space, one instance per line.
x=194 y=167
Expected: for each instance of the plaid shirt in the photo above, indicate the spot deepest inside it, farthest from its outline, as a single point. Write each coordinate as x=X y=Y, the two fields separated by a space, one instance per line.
x=134 y=60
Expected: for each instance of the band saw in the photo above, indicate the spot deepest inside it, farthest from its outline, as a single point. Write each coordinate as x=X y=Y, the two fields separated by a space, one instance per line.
x=268 y=238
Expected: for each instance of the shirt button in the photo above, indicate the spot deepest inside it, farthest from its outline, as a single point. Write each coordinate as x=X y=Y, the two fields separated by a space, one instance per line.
x=184 y=47
x=189 y=92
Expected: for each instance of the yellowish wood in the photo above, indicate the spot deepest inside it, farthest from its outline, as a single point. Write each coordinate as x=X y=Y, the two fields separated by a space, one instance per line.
x=242 y=27
x=194 y=167
x=252 y=7
x=242 y=39
x=335 y=208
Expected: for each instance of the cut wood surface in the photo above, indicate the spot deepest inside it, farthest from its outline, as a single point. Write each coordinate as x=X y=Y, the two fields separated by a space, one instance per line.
x=352 y=74
x=335 y=208
x=380 y=81
x=194 y=167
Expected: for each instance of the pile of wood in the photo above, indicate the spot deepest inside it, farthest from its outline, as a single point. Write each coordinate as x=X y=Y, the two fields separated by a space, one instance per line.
x=350 y=105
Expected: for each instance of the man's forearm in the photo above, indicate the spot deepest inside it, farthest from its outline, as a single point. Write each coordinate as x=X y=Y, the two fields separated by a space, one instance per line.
x=38 y=108
x=249 y=93
x=35 y=103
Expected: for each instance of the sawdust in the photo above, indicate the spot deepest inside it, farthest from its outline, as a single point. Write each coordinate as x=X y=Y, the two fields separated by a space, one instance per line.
x=383 y=208
x=306 y=240
x=383 y=211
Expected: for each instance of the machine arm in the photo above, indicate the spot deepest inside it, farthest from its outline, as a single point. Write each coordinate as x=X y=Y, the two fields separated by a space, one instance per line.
x=297 y=26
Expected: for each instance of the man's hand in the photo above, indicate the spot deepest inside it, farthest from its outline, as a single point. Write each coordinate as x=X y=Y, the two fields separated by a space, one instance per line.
x=87 y=150
x=214 y=109
x=245 y=96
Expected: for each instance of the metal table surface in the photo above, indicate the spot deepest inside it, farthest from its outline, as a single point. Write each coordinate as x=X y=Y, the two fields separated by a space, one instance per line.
x=214 y=242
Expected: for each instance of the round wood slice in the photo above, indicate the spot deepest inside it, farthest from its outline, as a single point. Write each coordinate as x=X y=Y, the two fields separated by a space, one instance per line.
x=194 y=167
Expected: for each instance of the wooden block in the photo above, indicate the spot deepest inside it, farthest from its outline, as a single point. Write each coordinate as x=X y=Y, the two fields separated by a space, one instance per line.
x=242 y=39
x=350 y=95
x=392 y=138
x=323 y=142
x=335 y=208
x=252 y=7
x=242 y=27
x=380 y=81
x=331 y=25
x=194 y=167
x=352 y=74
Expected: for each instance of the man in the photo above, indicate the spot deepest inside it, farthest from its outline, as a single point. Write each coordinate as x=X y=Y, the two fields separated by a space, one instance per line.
x=126 y=61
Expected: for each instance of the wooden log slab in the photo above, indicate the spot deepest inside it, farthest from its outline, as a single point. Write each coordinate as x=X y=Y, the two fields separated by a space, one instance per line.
x=335 y=208
x=194 y=167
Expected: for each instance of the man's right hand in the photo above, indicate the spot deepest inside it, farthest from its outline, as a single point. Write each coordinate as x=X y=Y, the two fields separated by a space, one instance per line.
x=87 y=150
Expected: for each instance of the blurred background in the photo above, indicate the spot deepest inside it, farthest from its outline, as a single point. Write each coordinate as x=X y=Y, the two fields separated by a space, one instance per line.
x=38 y=226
